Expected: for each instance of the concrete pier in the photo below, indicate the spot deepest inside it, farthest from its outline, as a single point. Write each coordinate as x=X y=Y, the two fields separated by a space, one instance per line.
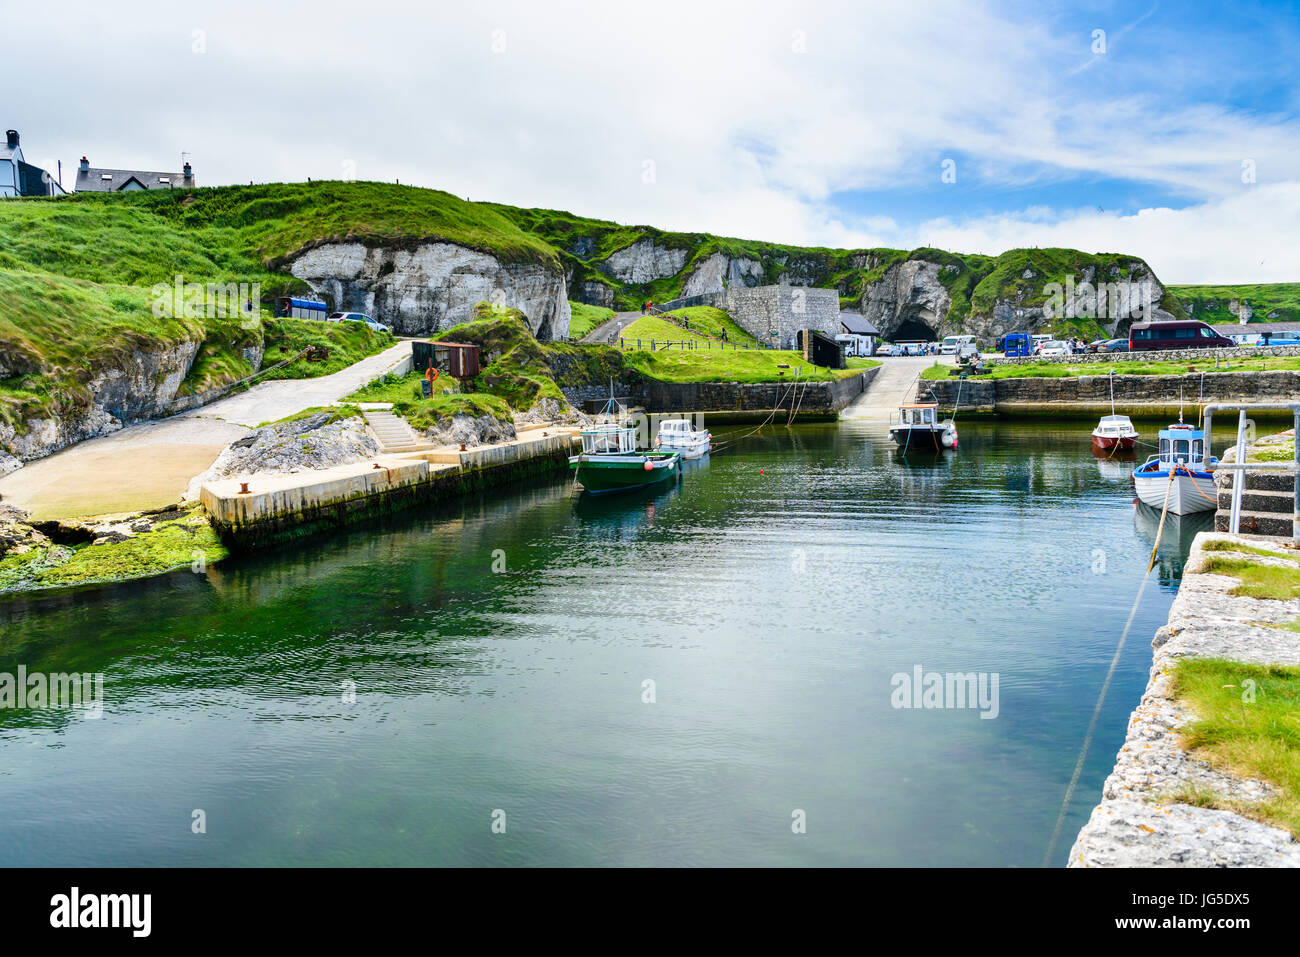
x=280 y=507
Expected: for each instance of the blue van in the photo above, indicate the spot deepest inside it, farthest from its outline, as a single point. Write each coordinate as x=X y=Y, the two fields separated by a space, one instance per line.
x=1017 y=344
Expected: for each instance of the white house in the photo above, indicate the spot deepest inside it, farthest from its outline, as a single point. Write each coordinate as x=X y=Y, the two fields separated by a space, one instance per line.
x=857 y=334
x=20 y=178
x=91 y=179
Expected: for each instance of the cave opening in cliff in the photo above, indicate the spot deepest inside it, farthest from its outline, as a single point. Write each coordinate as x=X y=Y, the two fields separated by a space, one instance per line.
x=914 y=330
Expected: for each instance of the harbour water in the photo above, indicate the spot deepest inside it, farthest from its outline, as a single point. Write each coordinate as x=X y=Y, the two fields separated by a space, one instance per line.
x=676 y=677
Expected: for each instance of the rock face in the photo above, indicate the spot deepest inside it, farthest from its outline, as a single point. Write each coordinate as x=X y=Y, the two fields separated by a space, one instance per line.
x=644 y=262
x=910 y=301
x=595 y=294
x=308 y=443
x=432 y=286
x=719 y=271
x=147 y=379
x=909 y=295
x=471 y=430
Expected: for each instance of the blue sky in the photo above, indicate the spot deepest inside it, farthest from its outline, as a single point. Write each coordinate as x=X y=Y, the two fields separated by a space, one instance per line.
x=818 y=122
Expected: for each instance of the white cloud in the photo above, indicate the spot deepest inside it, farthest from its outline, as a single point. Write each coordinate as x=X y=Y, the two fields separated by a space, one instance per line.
x=561 y=104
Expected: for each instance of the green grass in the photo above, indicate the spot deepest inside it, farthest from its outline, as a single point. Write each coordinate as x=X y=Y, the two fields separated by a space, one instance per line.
x=1226 y=545
x=1257 y=581
x=585 y=318
x=347 y=342
x=422 y=413
x=1257 y=738
x=713 y=322
x=660 y=330
x=742 y=365
x=1210 y=303
x=1030 y=370
x=172 y=544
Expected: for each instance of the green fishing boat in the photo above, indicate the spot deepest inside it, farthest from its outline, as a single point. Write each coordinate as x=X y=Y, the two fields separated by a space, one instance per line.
x=610 y=462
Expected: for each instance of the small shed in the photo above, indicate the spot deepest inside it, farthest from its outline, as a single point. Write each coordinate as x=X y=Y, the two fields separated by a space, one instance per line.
x=456 y=359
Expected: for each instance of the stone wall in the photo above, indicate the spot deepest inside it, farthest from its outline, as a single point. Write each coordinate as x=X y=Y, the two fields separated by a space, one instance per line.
x=775 y=314
x=1152 y=393
x=1168 y=355
x=817 y=398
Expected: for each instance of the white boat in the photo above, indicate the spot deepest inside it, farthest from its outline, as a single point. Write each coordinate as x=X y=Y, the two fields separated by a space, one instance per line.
x=916 y=427
x=1182 y=456
x=676 y=435
x=1114 y=433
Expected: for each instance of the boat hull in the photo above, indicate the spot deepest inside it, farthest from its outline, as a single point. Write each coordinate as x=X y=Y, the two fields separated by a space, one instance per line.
x=1109 y=443
x=603 y=474
x=1195 y=492
x=687 y=450
x=923 y=439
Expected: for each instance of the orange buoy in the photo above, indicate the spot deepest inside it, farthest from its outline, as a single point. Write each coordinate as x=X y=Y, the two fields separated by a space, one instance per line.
x=649 y=466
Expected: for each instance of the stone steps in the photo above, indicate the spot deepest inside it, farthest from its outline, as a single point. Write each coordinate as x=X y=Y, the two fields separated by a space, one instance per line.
x=1257 y=523
x=392 y=432
x=1267 y=503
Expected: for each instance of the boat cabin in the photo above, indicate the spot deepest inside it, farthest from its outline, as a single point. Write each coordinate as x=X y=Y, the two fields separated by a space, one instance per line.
x=609 y=440
x=675 y=427
x=1117 y=425
x=922 y=415
x=1182 y=445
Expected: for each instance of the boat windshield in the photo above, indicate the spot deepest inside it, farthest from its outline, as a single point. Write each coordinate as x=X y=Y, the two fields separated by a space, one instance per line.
x=607 y=441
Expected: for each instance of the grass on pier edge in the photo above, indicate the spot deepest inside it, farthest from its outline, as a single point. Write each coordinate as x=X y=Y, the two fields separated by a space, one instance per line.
x=1247 y=723
x=1059 y=370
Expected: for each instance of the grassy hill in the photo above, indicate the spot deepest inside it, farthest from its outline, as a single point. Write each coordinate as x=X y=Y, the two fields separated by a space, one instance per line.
x=76 y=272
x=1274 y=302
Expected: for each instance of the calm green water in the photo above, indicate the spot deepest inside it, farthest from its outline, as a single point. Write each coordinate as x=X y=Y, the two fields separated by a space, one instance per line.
x=770 y=609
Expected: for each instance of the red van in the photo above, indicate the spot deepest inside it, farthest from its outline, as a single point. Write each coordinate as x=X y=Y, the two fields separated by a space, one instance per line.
x=1179 y=334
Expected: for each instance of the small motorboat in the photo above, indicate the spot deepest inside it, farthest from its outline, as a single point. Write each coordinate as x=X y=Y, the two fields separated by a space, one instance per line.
x=918 y=427
x=1114 y=433
x=609 y=460
x=676 y=435
x=1179 y=472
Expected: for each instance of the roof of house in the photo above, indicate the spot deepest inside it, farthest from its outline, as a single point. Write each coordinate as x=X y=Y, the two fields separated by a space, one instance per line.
x=856 y=324
x=7 y=151
x=95 y=180
x=1231 y=329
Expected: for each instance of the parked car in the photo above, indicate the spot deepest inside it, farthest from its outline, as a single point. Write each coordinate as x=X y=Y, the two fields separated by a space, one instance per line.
x=1114 y=345
x=358 y=317
x=1178 y=334
x=1054 y=347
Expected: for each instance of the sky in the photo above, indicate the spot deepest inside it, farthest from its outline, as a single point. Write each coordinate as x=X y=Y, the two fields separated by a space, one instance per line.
x=1167 y=130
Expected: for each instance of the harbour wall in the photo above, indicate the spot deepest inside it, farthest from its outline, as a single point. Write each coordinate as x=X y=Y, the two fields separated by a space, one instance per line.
x=285 y=507
x=733 y=400
x=1144 y=818
x=1090 y=395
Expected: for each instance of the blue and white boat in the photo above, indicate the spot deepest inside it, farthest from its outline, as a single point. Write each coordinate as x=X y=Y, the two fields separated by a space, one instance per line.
x=1182 y=452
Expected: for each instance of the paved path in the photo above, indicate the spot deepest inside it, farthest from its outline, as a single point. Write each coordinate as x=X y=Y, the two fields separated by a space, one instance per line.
x=893 y=385
x=608 y=330
x=149 y=465
x=276 y=399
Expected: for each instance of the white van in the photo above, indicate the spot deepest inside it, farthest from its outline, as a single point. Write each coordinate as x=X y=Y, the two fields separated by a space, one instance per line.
x=951 y=345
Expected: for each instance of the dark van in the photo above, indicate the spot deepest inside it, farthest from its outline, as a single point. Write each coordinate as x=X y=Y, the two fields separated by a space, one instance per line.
x=1180 y=334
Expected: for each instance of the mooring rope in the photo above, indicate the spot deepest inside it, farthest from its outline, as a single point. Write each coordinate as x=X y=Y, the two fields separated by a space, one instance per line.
x=1105 y=686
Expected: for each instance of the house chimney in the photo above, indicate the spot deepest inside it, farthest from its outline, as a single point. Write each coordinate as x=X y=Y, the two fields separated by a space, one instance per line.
x=12 y=136
x=189 y=171
x=85 y=165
